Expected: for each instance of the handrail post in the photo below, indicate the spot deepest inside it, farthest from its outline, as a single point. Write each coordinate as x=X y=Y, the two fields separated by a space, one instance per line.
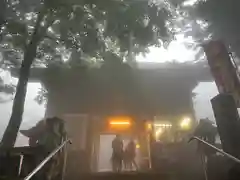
x=203 y=161
x=53 y=153
x=20 y=164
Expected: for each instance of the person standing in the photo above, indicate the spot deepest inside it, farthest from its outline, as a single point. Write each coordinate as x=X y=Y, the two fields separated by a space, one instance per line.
x=130 y=155
x=117 y=154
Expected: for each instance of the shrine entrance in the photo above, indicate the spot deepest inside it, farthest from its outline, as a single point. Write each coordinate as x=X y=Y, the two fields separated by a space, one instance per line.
x=105 y=151
x=128 y=128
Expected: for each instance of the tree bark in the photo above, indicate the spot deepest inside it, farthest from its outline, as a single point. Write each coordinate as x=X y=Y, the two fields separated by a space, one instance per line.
x=3 y=7
x=15 y=121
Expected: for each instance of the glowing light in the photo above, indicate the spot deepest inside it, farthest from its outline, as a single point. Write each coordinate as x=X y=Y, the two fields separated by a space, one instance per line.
x=163 y=125
x=120 y=123
x=185 y=123
x=137 y=146
x=149 y=126
x=158 y=132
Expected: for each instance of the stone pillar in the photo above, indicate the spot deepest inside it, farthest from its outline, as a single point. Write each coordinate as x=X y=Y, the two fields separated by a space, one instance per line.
x=144 y=162
x=96 y=153
x=89 y=142
x=96 y=144
x=143 y=138
x=227 y=120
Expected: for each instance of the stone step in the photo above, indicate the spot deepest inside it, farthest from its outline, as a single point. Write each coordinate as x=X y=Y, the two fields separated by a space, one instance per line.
x=138 y=176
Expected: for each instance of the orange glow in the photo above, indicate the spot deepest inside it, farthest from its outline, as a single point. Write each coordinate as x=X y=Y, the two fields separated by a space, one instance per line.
x=149 y=126
x=120 y=122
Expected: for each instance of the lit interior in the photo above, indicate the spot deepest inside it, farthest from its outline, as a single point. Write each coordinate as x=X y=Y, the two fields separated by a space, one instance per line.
x=163 y=125
x=137 y=146
x=161 y=128
x=149 y=126
x=158 y=132
x=185 y=123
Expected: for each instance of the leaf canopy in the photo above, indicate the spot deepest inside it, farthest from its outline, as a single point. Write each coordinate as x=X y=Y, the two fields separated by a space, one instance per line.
x=217 y=19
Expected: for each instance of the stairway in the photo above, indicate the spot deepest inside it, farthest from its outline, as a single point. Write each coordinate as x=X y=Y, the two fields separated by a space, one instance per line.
x=127 y=176
x=183 y=165
x=137 y=176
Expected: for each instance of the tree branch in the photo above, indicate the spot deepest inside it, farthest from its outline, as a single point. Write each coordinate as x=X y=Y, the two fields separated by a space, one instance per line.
x=52 y=38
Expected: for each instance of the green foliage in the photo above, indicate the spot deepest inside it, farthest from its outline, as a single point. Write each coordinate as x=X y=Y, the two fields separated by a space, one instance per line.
x=3 y=7
x=47 y=31
x=83 y=28
x=41 y=97
x=86 y=26
x=216 y=19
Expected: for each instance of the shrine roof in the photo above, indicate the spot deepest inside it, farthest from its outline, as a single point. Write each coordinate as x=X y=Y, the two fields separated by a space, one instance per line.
x=198 y=71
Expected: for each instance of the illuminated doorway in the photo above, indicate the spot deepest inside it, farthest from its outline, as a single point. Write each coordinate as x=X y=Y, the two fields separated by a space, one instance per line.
x=105 y=151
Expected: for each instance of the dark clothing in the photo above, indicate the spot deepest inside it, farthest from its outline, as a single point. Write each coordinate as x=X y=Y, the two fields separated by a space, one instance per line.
x=117 y=154
x=129 y=155
x=117 y=157
x=130 y=151
x=117 y=146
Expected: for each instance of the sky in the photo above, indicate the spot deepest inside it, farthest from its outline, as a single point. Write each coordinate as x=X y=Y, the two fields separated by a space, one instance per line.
x=176 y=51
x=33 y=112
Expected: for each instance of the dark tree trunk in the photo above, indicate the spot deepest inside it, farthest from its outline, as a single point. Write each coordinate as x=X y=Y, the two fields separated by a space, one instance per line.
x=3 y=8
x=15 y=121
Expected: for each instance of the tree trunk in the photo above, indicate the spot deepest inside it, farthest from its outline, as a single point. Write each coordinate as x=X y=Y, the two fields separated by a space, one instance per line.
x=3 y=7
x=15 y=121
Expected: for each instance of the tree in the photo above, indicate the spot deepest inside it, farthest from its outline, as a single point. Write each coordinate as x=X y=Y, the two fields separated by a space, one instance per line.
x=3 y=7
x=5 y=89
x=215 y=19
x=81 y=26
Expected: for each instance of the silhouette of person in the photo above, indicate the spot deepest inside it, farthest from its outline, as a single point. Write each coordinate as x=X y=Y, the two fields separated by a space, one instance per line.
x=129 y=155
x=117 y=154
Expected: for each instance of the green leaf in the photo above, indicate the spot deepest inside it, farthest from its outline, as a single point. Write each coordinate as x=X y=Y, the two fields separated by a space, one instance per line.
x=16 y=28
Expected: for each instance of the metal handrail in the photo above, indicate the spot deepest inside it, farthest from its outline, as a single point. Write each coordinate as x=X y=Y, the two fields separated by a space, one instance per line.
x=229 y=156
x=20 y=165
x=50 y=156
